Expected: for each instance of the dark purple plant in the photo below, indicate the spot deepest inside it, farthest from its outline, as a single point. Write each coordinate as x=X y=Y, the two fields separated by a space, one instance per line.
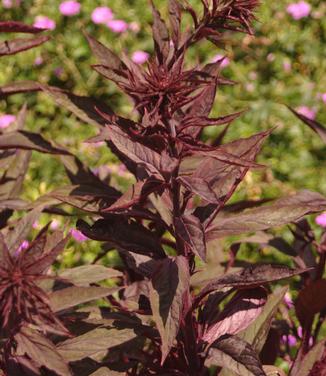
x=210 y=317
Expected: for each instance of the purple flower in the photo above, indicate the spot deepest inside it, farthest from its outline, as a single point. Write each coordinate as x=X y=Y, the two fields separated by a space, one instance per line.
x=306 y=111
x=101 y=15
x=140 y=57
x=224 y=61
x=58 y=71
x=117 y=26
x=78 y=236
x=321 y=220
x=43 y=22
x=6 y=120
x=10 y=3
x=69 y=8
x=289 y=339
x=299 y=10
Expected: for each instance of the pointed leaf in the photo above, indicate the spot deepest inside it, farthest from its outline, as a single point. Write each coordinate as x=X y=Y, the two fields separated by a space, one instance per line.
x=28 y=141
x=200 y=187
x=191 y=231
x=236 y=355
x=160 y=35
x=175 y=20
x=90 y=343
x=14 y=46
x=256 y=333
x=238 y=314
x=252 y=276
x=19 y=87
x=71 y=296
x=18 y=27
x=41 y=351
x=313 y=124
x=169 y=298
x=280 y=212
x=87 y=274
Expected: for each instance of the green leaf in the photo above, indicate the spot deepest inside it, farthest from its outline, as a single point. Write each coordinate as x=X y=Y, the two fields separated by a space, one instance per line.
x=86 y=274
x=72 y=296
x=90 y=343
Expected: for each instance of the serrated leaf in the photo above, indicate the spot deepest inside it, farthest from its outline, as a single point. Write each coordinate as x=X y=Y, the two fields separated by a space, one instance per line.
x=313 y=124
x=280 y=212
x=72 y=296
x=160 y=35
x=191 y=231
x=99 y=339
x=18 y=27
x=87 y=274
x=236 y=355
x=256 y=333
x=169 y=299
x=252 y=276
x=303 y=366
x=42 y=351
x=238 y=314
x=11 y=47
x=311 y=300
x=28 y=141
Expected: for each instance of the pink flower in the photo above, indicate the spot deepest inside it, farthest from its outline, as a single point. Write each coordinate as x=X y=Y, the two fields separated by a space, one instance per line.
x=10 y=3
x=323 y=97
x=54 y=224
x=43 y=22
x=299 y=10
x=78 y=236
x=24 y=245
x=224 y=61
x=101 y=15
x=140 y=57
x=287 y=66
x=69 y=8
x=306 y=111
x=36 y=225
x=270 y=57
x=134 y=26
x=288 y=300
x=321 y=220
x=117 y=26
x=38 y=60
x=6 y=120
x=58 y=71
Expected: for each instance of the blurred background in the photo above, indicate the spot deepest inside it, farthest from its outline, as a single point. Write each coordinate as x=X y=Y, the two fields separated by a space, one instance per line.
x=283 y=64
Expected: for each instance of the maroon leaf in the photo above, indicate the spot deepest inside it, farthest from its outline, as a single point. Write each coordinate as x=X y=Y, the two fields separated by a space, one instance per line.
x=28 y=141
x=313 y=124
x=17 y=45
x=280 y=212
x=200 y=187
x=41 y=351
x=311 y=300
x=18 y=27
x=19 y=87
x=160 y=35
x=169 y=298
x=249 y=277
x=236 y=355
x=175 y=20
x=190 y=230
x=136 y=193
x=237 y=315
x=124 y=235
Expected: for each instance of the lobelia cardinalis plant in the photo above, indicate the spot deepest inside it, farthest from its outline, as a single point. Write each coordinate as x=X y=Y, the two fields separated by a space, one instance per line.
x=209 y=317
